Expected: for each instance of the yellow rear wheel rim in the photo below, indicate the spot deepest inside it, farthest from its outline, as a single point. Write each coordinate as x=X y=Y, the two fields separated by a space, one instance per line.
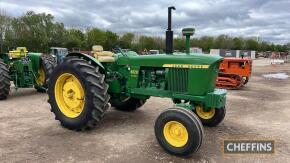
x=205 y=114
x=69 y=95
x=41 y=77
x=175 y=133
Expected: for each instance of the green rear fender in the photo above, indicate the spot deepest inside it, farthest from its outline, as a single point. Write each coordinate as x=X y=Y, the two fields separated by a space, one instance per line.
x=87 y=57
x=35 y=59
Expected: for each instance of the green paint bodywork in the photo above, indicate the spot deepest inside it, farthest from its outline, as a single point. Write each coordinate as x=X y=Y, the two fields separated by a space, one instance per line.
x=35 y=59
x=200 y=81
x=23 y=71
x=183 y=77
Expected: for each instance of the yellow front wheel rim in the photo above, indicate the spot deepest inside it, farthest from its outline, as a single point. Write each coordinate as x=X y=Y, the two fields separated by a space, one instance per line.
x=205 y=114
x=175 y=133
x=41 y=77
x=69 y=95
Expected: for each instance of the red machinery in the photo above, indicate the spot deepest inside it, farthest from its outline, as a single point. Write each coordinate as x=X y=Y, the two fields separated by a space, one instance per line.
x=234 y=73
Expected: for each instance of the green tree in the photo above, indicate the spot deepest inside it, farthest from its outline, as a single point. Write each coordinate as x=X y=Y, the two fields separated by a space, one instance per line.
x=179 y=44
x=126 y=40
x=111 y=40
x=263 y=46
x=146 y=42
x=252 y=44
x=238 y=44
x=74 y=38
x=159 y=43
x=288 y=46
x=223 y=42
x=5 y=24
x=206 y=43
x=32 y=30
x=95 y=36
x=58 y=35
x=35 y=31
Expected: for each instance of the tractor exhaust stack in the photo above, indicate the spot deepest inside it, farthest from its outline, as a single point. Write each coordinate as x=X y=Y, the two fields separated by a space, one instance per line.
x=169 y=33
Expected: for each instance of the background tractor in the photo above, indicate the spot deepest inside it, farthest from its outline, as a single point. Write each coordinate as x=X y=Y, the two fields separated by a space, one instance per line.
x=58 y=53
x=82 y=88
x=234 y=72
x=25 y=69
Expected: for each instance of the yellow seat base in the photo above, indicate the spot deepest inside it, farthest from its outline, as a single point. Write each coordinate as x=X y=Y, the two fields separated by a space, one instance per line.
x=105 y=59
x=103 y=56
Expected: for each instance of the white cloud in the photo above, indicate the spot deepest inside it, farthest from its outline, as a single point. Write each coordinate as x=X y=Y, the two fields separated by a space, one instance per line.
x=270 y=20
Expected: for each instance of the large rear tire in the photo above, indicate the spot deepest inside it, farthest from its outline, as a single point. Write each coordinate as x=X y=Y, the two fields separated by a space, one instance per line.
x=78 y=94
x=127 y=104
x=179 y=131
x=47 y=64
x=4 y=81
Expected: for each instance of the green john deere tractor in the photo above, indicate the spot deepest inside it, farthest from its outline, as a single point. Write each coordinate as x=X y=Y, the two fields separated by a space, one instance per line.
x=82 y=88
x=25 y=69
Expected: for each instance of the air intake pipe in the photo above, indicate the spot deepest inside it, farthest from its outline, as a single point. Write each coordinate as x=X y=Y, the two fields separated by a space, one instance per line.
x=187 y=32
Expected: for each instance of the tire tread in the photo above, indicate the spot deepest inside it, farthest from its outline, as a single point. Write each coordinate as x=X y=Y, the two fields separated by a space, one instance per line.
x=96 y=89
x=4 y=81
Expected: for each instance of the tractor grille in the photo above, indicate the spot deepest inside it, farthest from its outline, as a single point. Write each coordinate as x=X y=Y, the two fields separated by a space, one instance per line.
x=178 y=79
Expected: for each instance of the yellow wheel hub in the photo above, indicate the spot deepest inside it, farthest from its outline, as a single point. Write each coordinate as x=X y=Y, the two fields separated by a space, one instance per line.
x=175 y=133
x=69 y=95
x=41 y=77
x=205 y=114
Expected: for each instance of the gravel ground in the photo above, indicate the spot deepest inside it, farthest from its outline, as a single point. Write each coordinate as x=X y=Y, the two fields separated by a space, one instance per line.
x=29 y=133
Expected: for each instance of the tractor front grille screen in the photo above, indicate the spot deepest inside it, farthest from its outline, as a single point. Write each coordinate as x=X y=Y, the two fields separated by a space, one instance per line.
x=178 y=79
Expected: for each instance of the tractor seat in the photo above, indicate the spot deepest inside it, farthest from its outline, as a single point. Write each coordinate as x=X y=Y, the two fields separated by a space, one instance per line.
x=103 y=56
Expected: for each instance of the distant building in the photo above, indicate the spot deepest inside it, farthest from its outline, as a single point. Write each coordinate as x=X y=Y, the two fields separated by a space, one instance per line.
x=153 y=52
x=195 y=50
x=233 y=53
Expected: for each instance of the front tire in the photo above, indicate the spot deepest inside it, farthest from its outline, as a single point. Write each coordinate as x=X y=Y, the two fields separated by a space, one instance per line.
x=78 y=94
x=4 y=81
x=210 y=118
x=179 y=131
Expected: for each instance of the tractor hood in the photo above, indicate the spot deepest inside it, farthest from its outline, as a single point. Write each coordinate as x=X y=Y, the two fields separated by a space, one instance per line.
x=163 y=60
